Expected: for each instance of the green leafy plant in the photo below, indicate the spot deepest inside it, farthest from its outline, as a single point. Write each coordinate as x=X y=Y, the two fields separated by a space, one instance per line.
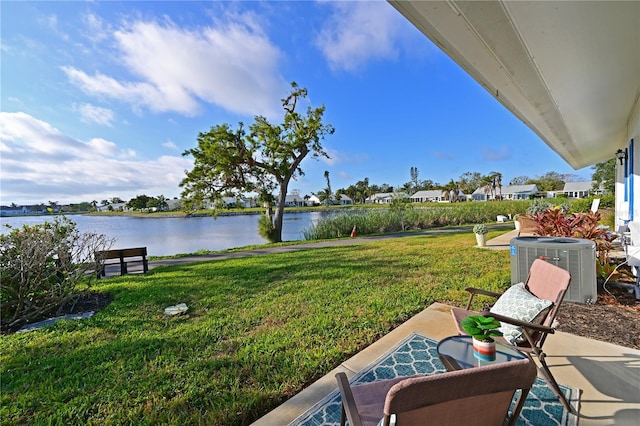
x=480 y=229
x=555 y=222
x=481 y=327
x=539 y=206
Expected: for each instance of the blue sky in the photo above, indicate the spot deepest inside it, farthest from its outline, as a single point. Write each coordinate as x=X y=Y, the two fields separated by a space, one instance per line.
x=99 y=99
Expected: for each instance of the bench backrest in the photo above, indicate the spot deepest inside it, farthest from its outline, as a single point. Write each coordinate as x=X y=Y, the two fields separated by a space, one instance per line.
x=116 y=254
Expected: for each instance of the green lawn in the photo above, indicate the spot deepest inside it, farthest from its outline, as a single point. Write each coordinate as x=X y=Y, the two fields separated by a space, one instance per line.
x=258 y=331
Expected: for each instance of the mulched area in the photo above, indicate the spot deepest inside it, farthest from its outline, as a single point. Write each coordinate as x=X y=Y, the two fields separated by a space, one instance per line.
x=89 y=301
x=614 y=318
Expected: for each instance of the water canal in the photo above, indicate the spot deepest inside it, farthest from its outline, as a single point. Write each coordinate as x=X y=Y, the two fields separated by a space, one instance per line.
x=174 y=235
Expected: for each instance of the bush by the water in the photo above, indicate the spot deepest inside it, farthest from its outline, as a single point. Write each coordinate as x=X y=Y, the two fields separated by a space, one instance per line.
x=41 y=267
x=382 y=220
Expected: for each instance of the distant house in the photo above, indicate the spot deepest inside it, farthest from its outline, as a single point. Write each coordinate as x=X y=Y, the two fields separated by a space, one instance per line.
x=343 y=201
x=114 y=207
x=14 y=211
x=174 y=204
x=294 y=200
x=512 y=192
x=235 y=202
x=21 y=210
x=380 y=198
x=313 y=200
x=385 y=197
x=427 y=196
x=228 y=202
x=580 y=189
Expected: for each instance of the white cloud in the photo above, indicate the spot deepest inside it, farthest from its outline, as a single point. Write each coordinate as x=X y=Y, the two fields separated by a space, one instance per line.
x=40 y=163
x=95 y=114
x=51 y=22
x=233 y=65
x=170 y=145
x=96 y=27
x=358 y=32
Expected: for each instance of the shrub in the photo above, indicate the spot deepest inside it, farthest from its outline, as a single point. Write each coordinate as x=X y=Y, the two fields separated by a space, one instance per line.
x=41 y=267
x=584 y=204
x=266 y=229
x=480 y=229
x=538 y=206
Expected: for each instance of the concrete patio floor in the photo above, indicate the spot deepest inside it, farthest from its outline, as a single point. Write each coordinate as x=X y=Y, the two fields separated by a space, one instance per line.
x=607 y=374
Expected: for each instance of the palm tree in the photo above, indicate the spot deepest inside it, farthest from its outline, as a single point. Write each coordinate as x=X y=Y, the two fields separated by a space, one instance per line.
x=367 y=191
x=328 y=190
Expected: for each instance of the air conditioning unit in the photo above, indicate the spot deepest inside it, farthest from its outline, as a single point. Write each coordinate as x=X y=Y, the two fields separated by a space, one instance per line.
x=578 y=256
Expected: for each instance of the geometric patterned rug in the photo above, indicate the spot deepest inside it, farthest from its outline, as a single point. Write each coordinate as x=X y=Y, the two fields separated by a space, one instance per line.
x=417 y=354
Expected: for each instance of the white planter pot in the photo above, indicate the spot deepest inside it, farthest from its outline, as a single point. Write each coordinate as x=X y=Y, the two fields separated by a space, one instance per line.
x=481 y=239
x=485 y=351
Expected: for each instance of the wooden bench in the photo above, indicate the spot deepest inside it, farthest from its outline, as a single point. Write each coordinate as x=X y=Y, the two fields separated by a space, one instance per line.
x=122 y=256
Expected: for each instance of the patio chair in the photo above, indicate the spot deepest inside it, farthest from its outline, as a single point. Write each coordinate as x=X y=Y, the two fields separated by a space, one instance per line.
x=478 y=396
x=527 y=312
x=528 y=225
x=632 y=252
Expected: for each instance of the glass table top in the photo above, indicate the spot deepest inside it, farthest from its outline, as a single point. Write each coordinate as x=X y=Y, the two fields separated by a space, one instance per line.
x=456 y=353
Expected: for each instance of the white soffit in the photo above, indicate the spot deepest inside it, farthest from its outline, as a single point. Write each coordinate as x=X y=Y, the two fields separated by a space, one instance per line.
x=570 y=70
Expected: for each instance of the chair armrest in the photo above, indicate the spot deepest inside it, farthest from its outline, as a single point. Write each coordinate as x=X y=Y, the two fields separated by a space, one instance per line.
x=349 y=408
x=523 y=324
x=473 y=291
x=483 y=292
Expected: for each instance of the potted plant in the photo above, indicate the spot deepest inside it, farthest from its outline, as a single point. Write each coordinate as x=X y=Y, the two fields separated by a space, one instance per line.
x=482 y=330
x=481 y=234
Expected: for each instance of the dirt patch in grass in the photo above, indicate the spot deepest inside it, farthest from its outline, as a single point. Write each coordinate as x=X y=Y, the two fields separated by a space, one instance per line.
x=88 y=301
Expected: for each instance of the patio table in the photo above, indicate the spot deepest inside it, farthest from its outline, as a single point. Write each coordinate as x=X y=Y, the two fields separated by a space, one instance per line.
x=456 y=353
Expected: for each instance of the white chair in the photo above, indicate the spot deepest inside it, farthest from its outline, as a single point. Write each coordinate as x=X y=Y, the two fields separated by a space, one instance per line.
x=632 y=252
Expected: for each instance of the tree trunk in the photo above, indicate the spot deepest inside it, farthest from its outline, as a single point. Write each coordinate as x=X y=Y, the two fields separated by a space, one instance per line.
x=277 y=219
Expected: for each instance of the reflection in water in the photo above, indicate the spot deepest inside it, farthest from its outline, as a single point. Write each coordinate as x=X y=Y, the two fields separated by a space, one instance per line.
x=167 y=236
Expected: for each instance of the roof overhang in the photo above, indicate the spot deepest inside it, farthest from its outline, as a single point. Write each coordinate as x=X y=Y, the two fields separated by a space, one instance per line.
x=569 y=70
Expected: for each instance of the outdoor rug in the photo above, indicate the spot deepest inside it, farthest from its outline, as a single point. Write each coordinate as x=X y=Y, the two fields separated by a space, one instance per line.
x=417 y=354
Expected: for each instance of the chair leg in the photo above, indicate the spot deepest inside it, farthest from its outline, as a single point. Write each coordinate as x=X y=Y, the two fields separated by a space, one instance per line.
x=518 y=407
x=546 y=373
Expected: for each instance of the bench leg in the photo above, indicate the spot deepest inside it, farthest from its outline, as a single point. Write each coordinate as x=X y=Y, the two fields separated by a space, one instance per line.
x=123 y=266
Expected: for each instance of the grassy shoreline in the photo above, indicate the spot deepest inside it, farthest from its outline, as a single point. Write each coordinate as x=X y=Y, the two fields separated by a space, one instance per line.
x=258 y=331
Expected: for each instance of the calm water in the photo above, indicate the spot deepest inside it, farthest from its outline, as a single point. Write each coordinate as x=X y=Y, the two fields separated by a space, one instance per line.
x=167 y=236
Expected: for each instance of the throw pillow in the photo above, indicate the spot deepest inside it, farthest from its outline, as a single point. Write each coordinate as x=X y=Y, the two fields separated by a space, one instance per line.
x=518 y=303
